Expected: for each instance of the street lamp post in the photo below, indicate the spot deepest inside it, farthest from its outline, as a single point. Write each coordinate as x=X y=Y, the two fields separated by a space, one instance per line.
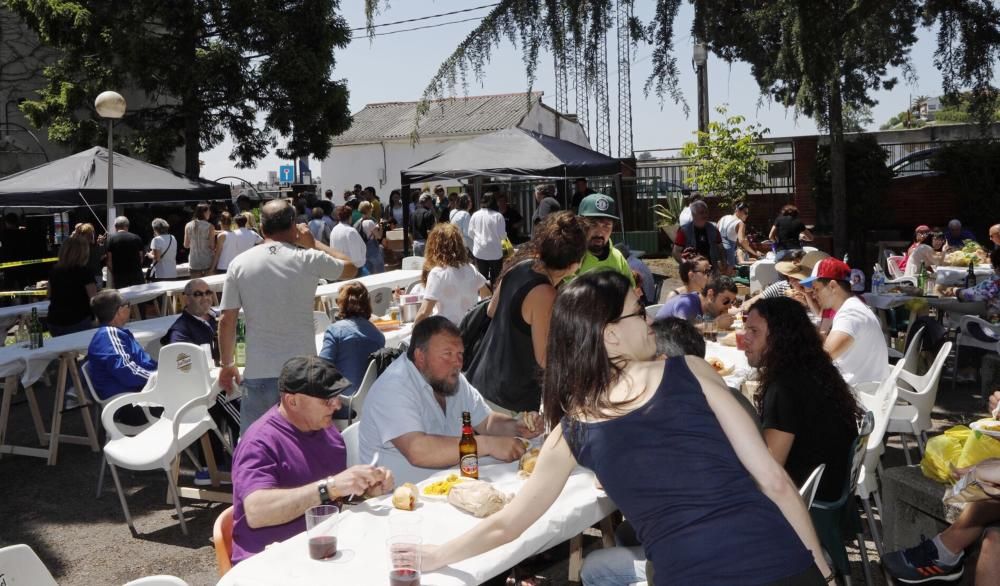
x=700 y=59
x=110 y=105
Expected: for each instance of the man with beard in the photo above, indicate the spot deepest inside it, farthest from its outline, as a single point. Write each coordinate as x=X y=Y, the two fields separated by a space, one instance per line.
x=601 y=212
x=413 y=413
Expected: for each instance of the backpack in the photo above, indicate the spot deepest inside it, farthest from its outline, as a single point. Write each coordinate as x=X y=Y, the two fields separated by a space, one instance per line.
x=473 y=328
x=358 y=226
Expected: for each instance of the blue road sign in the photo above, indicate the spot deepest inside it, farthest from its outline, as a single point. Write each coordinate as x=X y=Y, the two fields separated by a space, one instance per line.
x=286 y=173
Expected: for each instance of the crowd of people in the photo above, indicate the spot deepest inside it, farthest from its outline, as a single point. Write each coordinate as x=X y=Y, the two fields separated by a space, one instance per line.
x=557 y=326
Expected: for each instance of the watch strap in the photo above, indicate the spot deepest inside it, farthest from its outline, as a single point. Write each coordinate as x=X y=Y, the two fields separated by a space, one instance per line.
x=324 y=491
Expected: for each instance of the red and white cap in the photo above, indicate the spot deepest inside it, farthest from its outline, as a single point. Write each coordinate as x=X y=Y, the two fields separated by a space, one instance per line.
x=829 y=268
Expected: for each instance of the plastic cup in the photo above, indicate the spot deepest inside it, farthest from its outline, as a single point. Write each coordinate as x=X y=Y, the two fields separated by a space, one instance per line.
x=741 y=340
x=404 y=560
x=321 y=529
x=405 y=523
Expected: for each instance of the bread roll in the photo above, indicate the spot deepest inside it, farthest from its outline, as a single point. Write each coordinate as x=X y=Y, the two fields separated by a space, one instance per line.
x=477 y=498
x=404 y=497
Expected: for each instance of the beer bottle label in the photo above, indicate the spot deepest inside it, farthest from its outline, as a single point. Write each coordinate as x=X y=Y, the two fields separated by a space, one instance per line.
x=470 y=465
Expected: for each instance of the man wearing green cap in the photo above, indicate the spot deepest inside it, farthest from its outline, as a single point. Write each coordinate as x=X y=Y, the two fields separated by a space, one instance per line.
x=600 y=212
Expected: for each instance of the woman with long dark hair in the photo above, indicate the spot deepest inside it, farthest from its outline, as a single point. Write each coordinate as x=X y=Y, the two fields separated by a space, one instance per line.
x=810 y=416
x=507 y=365
x=788 y=232
x=71 y=285
x=670 y=445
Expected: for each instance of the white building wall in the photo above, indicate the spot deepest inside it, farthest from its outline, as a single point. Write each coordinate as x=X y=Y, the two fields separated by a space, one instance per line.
x=544 y=121
x=350 y=164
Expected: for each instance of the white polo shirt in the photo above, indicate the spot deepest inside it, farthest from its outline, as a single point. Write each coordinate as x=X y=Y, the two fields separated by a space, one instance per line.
x=867 y=359
x=400 y=402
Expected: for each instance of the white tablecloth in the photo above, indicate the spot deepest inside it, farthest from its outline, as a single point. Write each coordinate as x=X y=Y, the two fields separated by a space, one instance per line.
x=397 y=278
x=10 y=314
x=364 y=530
x=30 y=364
x=955 y=276
x=731 y=357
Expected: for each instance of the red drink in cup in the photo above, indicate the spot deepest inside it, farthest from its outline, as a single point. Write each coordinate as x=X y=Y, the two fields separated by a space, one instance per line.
x=323 y=547
x=404 y=560
x=404 y=578
x=740 y=344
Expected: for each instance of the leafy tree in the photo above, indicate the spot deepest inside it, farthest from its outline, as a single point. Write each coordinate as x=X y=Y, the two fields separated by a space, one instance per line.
x=815 y=56
x=866 y=184
x=726 y=160
x=193 y=71
x=973 y=170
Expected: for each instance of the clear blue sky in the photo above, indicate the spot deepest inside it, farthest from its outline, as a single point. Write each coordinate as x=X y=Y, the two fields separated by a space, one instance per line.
x=398 y=67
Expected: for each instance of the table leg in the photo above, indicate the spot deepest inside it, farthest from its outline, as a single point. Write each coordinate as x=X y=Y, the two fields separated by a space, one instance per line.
x=607 y=532
x=36 y=416
x=57 y=408
x=88 y=417
x=575 y=558
x=9 y=388
x=213 y=468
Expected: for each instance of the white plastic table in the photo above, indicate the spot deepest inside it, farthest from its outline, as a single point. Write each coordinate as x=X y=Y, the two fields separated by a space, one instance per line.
x=365 y=528
x=28 y=365
x=391 y=279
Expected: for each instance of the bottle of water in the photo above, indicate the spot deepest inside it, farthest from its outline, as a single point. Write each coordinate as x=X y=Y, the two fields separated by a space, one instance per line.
x=878 y=279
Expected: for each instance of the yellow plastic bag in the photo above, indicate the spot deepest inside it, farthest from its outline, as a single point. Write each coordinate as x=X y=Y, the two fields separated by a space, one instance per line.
x=507 y=247
x=957 y=447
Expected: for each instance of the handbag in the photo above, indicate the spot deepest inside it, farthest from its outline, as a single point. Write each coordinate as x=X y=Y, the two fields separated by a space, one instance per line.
x=473 y=328
x=151 y=271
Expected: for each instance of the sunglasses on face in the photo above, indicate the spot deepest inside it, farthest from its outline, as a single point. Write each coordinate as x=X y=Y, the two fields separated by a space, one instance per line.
x=200 y=293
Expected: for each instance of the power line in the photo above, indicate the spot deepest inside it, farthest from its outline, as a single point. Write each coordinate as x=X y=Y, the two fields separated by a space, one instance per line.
x=363 y=28
x=417 y=28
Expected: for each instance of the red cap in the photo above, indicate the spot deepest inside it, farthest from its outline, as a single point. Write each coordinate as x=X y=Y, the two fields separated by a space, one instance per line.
x=922 y=228
x=829 y=268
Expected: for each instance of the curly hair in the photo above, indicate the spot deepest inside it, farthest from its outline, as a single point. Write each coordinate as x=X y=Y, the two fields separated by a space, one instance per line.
x=445 y=248
x=353 y=301
x=794 y=348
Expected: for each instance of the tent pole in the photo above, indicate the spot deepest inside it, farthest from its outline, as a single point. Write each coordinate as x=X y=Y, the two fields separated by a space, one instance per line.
x=621 y=201
x=404 y=197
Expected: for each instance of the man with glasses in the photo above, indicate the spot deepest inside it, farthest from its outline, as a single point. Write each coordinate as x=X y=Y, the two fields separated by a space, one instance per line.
x=117 y=362
x=713 y=301
x=293 y=458
x=196 y=324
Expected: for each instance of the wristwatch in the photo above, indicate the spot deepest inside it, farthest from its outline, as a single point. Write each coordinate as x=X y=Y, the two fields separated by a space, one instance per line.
x=324 y=487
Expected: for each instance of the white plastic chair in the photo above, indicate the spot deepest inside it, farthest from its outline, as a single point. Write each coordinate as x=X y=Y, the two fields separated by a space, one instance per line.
x=911 y=359
x=125 y=428
x=914 y=416
x=183 y=388
x=321 y=321
x=413 y=263
x=353 y=443
x=19 y=564
x=381 y=298
x=808 y=489
x=892 y=266
x=357 y=400
x=880 y=404
x=162 y=580
x=962 y=338
x=652 y=310
x=911 y=281
x=762 y=274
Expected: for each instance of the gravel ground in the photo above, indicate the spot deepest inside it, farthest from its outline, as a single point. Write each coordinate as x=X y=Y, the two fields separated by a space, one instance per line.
x=84 y=541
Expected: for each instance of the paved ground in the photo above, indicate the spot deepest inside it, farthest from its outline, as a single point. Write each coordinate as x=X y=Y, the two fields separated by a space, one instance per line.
x=85 y=541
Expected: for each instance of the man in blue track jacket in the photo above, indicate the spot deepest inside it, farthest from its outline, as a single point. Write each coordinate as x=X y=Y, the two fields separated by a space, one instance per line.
x=118 y=364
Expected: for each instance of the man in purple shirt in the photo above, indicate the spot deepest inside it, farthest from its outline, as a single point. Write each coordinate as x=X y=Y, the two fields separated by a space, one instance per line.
x=713 y=301
x=292 y=458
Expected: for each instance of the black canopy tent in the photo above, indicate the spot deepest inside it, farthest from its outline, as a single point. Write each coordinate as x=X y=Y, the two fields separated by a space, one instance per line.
x=509 y=153
x=82 y=180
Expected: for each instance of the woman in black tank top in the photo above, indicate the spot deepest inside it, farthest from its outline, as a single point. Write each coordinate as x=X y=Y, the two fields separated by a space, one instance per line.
x=508 y=363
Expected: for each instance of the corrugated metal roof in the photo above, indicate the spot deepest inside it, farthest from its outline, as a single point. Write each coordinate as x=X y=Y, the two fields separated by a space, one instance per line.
x=451 y=116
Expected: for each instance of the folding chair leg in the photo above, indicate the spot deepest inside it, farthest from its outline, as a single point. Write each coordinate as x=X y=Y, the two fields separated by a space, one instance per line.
x=177 y=501
x=121 y=497
x=865 y=564
x=100 y=477
x=872 y=526
x=906 y=449
x=225 y=441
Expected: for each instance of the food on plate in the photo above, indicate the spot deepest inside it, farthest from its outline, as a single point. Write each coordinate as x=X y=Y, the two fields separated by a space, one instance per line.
x=404 y=497
x=477 y=497
x=443 y=487
x=989 y=425
x=527 y=464
x=387 y=324
x=970 y=251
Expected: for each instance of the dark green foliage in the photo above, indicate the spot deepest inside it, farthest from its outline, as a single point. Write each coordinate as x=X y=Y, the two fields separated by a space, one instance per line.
x=868 y=180
x=973 y=169
x=193 y=71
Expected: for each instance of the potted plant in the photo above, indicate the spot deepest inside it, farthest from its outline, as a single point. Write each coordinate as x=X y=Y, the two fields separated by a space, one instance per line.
x=668 y=216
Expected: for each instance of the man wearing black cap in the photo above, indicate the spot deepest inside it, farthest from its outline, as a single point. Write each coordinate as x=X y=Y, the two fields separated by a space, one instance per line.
x=292 y=458
x=600 y=212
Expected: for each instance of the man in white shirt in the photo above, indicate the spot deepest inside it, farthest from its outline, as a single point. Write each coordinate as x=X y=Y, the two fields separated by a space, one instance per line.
x=855 y=341
x=488 y=229
x=413 y=413
x=275 y=284
x=346 y=240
